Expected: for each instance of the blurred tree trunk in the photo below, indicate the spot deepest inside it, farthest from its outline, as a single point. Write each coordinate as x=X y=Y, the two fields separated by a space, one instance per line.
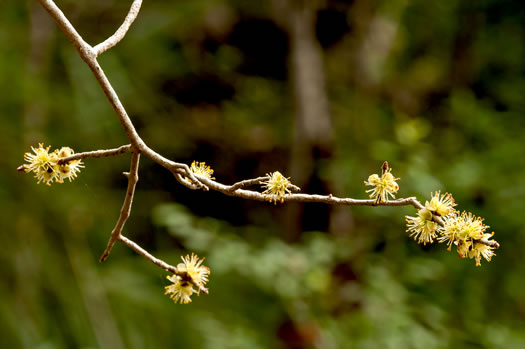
x=313 y=133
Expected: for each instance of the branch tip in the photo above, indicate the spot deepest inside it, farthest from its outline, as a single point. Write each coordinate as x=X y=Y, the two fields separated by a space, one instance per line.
x=125 y=211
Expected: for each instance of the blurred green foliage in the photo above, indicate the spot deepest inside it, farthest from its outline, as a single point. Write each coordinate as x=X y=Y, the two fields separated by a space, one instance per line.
x=442 y=101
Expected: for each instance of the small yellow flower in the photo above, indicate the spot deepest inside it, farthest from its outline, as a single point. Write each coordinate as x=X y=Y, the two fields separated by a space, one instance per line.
x=481 y=250
x=463 y=227
x=422 y=227
x=276 y=187
x=473 y=226
x=464 y=247
x=48 y=175
x=40 y=161
x=195 y=270
x=45 y=164
x=201 y=169
x=383 y=186
x=465 y=230
x=441 y=204
x=452 y=229
x=69 y=169
x=180 y=290
x=191 y=273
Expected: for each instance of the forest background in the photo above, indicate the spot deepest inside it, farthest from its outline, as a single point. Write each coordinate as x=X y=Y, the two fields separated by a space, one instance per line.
x=434 y=87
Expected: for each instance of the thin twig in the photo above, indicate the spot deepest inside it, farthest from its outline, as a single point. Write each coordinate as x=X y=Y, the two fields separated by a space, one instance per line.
x=102 y=153
x=491 y=243
x=121 y=31
x=247 y=182
x=327 y=199
x=332 y=200
x=158 y=262
x=294 y=188
x=133 y=178
x=259 y=180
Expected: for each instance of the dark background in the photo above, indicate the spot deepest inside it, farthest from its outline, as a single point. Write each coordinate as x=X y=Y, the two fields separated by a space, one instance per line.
x=322 y=91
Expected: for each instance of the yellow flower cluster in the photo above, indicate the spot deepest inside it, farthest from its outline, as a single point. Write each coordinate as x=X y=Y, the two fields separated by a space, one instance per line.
x=46 y=167
x=382 y=186
x=191 y=274
x=201 y=169
x=423 y=227
x=464 y=230
x=461 y=229
x=276 y=187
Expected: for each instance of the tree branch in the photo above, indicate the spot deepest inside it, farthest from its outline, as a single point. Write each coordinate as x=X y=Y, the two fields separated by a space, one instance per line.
x=144 y=253
x=325 y=199
x=181 y=171
x=232 y=190
x=491 y=243
x=133 y=178
x=247 y=182
x=102 y=153
x=158 y=262
x=121 y=31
